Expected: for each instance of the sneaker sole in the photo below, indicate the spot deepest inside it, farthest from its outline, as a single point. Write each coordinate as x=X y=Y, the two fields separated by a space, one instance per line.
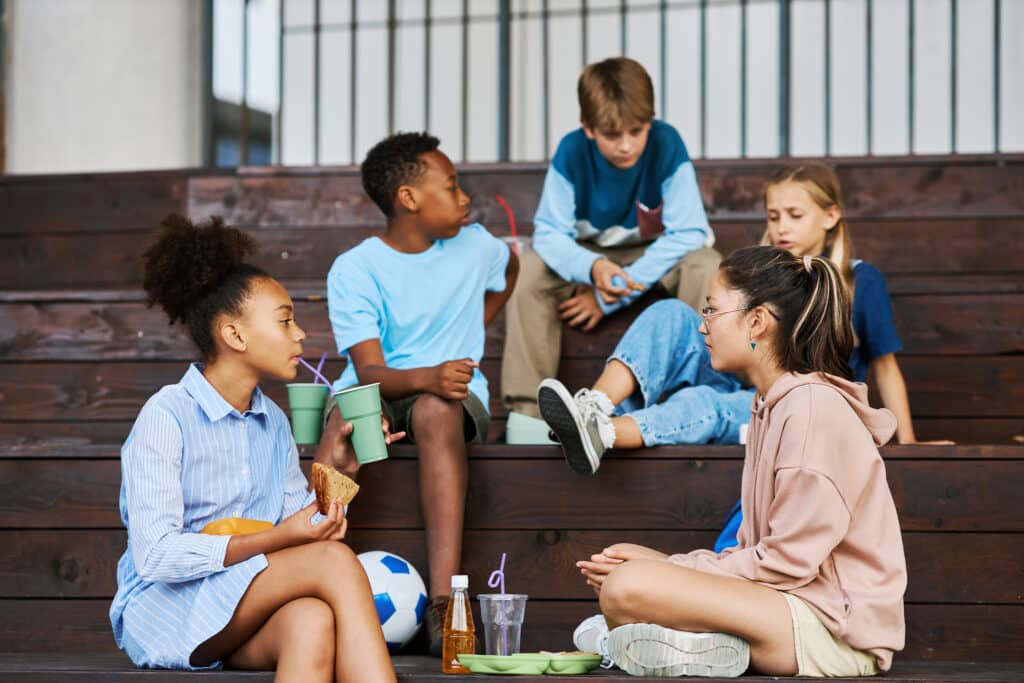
x=553 y=402
x=652 y=650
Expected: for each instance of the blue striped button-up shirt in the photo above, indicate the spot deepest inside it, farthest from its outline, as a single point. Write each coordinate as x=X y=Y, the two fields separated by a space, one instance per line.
x=190 y=459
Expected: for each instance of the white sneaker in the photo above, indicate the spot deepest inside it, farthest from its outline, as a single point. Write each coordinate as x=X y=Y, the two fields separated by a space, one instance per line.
x=592 y=636
x=525 y=430
x=652 y=650
x=582 y=424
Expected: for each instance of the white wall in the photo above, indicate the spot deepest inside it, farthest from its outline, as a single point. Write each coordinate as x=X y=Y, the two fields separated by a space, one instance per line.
x=103 y=85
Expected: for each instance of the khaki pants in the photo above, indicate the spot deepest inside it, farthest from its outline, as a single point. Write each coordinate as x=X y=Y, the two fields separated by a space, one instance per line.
x=533 y=330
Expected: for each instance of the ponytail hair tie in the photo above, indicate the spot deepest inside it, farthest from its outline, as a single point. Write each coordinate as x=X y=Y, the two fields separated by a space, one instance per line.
x=807 y=263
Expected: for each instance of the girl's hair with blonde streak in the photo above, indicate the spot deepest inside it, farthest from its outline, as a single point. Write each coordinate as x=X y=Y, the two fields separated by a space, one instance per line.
x=807 y=297
x=822 y=185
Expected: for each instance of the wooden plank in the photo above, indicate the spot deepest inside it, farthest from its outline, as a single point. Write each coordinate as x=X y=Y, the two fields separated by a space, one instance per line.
x=970 y=386
x=90 y=202
x=971 y=430
x=99 y=668
x=973 y=386
x=629 y=493
x=909 y=245
x=962 y=430
x=301 y=289
x=731 y=189
x=102 y=440
x=42 y=260
x=931 y=325
x=943 y=567
x=970 y=633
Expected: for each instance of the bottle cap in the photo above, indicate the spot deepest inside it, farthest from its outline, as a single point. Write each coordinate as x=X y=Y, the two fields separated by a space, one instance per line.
x=460 y=581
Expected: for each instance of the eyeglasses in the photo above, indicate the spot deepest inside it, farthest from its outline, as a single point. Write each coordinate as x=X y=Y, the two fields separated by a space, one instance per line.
x=707 y=313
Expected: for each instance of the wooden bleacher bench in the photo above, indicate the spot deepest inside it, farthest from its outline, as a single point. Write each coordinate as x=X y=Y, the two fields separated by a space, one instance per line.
x=80 y=353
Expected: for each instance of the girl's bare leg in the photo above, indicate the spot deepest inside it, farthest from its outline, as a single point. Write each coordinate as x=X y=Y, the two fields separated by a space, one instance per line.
x=658 y=592
x=627 y=432
x=616 y=381
x=297 y=642
x=330 y=572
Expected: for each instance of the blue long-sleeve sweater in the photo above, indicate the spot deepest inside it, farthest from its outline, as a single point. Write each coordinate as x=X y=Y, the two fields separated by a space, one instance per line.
x=585 y=198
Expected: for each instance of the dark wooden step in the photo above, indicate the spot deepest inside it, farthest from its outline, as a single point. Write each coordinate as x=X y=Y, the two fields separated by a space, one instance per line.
x=967 y=633
x=98 y=668
x=943 y=566
x=112 y=258
x=630 y=492
x=967 y=386
x=929 y=325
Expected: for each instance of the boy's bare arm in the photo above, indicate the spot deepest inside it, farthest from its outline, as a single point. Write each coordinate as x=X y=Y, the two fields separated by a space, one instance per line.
x=448 y=380
x=495 y=301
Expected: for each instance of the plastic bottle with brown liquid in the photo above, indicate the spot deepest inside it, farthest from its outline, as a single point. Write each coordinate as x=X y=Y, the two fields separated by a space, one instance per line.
x=459 y=634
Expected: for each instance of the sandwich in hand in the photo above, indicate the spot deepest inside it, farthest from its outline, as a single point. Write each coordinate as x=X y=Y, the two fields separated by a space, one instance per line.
x=329 y=484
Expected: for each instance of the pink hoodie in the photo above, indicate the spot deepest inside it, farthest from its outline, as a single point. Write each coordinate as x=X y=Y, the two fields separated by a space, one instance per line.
x=818 y=517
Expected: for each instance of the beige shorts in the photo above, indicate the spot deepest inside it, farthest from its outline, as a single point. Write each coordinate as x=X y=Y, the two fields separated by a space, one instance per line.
x=818 y=652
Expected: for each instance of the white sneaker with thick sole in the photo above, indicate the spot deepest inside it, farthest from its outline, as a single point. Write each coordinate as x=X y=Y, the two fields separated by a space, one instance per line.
x=581 y=423
x=652 y=650
x=592 y=636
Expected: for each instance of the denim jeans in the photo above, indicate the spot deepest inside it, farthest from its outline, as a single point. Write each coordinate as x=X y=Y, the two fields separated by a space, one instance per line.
x=665 y=351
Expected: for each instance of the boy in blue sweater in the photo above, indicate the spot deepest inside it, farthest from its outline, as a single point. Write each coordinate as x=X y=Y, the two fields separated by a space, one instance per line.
x=620 y=213
x=409 y=309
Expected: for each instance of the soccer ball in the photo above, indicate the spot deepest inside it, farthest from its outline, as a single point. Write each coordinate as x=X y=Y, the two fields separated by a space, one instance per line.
x=399 y=594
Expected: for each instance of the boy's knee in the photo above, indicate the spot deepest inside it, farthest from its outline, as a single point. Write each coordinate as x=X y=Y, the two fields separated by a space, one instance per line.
x=534 y=275
x=431 y=409
x=707 y=258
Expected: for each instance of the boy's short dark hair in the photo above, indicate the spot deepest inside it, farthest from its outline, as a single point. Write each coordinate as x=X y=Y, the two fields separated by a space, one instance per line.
x=393 y=162
x=615 y=92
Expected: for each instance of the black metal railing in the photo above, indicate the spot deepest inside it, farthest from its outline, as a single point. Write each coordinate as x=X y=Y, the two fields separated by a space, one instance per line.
x=506 y=17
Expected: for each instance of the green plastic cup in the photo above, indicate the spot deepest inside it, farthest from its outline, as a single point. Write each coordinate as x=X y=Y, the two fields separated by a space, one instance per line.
x=360 y=406
x=307 y=407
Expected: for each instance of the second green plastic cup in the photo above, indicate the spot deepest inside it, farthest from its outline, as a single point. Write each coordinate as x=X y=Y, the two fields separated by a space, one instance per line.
x=361 y=407
x=306 y=402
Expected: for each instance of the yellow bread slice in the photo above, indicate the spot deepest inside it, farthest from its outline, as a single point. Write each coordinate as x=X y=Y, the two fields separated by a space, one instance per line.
x=329 y=484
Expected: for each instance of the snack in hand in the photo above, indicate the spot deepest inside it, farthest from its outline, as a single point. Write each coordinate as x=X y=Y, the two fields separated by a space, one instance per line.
x=637 y=287
x=329 y=484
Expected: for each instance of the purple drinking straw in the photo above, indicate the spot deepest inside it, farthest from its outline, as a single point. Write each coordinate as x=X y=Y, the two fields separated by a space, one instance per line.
x=320 y=365
x=497 y=577
x=314 y=371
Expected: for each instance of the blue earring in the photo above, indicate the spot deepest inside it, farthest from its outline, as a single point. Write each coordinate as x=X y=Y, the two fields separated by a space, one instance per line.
x=753 y=345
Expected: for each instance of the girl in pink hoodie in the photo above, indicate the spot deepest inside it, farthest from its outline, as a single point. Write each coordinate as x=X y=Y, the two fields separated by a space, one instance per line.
x=815 y=586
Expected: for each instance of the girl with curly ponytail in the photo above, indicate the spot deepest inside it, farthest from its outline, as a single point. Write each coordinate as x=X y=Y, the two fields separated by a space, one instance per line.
x=290 y=597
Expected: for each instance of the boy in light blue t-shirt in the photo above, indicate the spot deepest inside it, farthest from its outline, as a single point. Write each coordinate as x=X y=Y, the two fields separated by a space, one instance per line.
x=409 y=309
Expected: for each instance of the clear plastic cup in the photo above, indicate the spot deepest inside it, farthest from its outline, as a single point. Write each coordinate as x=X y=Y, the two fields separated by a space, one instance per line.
x=502 y=616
